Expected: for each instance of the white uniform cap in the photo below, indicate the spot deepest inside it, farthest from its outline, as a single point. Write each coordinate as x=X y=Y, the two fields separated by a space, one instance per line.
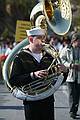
x=36 y=31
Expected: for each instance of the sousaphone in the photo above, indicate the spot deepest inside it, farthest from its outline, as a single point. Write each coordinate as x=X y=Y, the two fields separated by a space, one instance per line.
x=56 y=14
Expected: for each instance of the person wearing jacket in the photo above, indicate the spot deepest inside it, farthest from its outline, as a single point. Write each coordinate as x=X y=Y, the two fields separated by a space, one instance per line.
x=31 y=63
x=70 y=56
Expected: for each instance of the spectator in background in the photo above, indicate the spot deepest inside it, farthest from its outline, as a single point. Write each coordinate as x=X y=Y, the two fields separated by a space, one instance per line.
x=54 y=41
x=2 y=51
x=66 y=41
x=75 y=30
x=9 y=48
x=70 y=57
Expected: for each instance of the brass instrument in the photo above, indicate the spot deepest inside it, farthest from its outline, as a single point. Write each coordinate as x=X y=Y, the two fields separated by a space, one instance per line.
x=37 y=89
x=57 y=14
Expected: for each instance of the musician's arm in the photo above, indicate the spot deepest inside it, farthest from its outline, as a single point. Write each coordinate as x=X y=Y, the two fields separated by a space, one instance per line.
x=18 y=77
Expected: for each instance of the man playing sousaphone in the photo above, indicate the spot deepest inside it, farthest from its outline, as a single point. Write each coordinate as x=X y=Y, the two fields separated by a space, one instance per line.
x=31 y=63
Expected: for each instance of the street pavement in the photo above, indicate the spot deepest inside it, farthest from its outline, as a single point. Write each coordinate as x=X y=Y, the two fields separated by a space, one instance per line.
x=12 y=109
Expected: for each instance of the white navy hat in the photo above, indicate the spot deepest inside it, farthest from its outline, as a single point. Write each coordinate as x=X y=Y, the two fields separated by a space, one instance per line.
x=36 y=31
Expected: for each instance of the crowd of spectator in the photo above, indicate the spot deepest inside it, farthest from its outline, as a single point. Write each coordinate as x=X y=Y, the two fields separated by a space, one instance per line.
x=56 y=41
x=5 y=49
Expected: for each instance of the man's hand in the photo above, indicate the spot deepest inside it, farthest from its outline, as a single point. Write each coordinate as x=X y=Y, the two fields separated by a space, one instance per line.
x=41 y=74
x=62 y=68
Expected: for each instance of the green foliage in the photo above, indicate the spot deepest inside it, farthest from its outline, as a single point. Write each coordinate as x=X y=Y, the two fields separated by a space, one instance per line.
x=77 y=21
x=19 y=10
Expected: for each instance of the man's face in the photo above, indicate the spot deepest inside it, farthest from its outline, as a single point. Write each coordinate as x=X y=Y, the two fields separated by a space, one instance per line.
x=38 y=41
x=79 y=42
x=53 y=41
x=76 y=43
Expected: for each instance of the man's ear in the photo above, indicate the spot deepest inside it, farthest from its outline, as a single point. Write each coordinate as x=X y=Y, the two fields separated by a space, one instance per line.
x=31 y=39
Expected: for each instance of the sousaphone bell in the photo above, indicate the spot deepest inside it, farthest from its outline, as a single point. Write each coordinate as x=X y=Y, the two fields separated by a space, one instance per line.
x=57 y=14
